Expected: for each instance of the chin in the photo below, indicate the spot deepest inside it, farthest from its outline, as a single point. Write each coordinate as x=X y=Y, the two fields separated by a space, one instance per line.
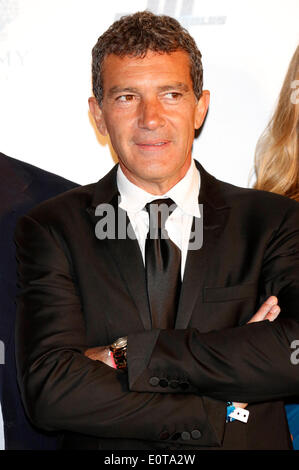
x=156 y=174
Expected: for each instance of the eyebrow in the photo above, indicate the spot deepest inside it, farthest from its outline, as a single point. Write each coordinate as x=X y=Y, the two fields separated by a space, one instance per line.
x=175 y=85
x=119 y=89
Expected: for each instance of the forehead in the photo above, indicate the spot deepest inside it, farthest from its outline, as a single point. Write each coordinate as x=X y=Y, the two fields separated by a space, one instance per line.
x=154 y=68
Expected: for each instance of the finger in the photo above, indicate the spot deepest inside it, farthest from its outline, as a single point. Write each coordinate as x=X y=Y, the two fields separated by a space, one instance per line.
x=264 y=309
x=273 y=314
x=239 y=405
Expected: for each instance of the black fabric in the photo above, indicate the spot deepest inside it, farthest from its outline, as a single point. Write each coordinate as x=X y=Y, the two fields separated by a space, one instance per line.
x=162 y=265
x=23 y=186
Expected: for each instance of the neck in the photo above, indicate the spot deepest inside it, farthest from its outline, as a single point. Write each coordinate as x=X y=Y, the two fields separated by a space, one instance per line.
x=158 y=186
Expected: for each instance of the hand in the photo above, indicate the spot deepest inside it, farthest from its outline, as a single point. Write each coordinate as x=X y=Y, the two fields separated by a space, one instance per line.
x=102 y=354
x=268 y=311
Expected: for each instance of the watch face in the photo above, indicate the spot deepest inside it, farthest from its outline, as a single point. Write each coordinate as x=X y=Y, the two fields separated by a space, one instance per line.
x=120 y=343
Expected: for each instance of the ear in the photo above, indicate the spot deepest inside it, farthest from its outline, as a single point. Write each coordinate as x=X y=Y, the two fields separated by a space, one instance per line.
x=201 y=109
x=97 y=114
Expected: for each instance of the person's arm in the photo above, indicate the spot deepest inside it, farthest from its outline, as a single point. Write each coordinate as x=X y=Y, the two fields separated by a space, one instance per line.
x=249 y=363
x=64 y=390
x=268 y=311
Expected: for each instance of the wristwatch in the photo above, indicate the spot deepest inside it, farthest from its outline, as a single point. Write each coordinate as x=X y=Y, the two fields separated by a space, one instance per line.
x=119 y=352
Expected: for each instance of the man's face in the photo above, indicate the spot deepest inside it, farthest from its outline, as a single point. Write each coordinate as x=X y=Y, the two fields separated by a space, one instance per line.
x=150 y=112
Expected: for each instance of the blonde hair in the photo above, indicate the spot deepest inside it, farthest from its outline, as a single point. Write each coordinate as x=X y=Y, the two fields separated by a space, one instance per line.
x=277 y=151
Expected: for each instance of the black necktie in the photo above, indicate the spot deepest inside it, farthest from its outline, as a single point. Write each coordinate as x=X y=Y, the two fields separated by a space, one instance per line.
x=162 y=265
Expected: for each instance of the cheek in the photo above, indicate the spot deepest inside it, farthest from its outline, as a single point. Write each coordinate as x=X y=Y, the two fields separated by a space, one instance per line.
x=119 y=127
x=121 y=145
x=185 y=135
x=184 y=122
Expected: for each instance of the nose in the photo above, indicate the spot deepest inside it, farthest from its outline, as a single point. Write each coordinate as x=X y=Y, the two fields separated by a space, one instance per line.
x=150 y=114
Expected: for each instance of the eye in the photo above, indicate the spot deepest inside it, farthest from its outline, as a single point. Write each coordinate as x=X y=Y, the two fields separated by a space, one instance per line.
x=125 y=98
x=173 y=95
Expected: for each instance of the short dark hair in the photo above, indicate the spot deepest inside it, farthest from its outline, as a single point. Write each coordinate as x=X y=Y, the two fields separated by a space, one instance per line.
x=134 y=35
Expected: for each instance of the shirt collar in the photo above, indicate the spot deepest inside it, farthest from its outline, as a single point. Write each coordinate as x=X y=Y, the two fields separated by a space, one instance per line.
x=184 y=193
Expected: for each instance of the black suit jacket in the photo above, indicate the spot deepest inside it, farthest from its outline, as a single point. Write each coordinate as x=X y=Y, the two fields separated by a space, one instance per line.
x=22 y=187
x=78 y=292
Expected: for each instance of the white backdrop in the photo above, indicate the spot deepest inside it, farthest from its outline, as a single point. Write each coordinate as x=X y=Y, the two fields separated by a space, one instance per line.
x=45 y=80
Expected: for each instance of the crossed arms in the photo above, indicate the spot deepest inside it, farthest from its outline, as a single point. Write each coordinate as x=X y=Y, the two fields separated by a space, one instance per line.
x=268 y=311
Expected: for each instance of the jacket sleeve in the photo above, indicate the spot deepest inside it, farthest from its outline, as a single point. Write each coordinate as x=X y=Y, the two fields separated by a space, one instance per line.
x=249 y=363
x=64 y=390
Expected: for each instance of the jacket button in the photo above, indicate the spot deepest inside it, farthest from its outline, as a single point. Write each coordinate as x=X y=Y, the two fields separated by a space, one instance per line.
x=196 y=434
x=186 y=436
x=163 y=383
x=174 y=383
x=164 y=435
x=184 y=385
x=154 y=381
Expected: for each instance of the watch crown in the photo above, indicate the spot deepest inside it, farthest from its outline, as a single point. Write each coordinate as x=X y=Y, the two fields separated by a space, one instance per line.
x=120 y=343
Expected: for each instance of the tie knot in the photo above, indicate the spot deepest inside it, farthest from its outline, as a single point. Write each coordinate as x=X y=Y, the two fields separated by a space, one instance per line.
x=159 y=210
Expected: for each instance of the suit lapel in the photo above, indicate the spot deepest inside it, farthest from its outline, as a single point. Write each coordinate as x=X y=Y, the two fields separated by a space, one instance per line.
x=124 y=251
x=214 y=214
x=127 y=256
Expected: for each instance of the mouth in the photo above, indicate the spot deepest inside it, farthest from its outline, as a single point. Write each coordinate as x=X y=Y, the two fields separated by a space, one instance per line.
x=153 y=146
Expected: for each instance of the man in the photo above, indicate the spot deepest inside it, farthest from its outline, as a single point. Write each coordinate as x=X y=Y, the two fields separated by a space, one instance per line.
x=23 y=186
x=175 y=318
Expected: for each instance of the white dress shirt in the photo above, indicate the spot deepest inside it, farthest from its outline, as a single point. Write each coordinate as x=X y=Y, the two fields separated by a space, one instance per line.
x=178 y=224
